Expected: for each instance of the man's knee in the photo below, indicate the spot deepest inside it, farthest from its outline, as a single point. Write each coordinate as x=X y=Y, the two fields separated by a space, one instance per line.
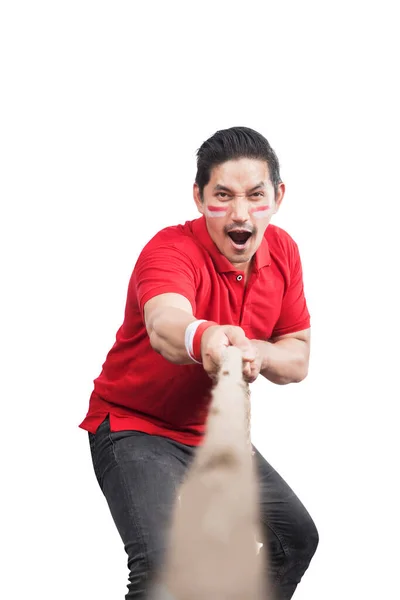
x=144 y=569
x=303 y=540
x=307 y=538
x=292 y=553
x=297 y=541
x=294 y=557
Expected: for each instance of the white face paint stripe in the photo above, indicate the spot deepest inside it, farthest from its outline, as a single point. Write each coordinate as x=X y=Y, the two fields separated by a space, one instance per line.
x=260 y=212
x=216 y=211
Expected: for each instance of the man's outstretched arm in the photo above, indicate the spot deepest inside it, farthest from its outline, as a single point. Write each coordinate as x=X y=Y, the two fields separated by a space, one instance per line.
x=167 y=317
x=285 y=359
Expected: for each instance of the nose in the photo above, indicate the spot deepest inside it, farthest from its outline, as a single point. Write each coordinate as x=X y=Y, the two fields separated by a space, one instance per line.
x=240 y=211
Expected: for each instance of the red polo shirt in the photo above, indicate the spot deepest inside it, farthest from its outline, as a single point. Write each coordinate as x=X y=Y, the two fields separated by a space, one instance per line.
x=141 y=390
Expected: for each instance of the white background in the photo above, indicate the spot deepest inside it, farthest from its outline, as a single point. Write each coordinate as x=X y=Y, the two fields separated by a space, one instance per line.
x=104 y=105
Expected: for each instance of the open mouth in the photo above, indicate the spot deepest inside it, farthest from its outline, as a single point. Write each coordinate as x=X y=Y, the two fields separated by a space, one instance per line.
x=239 y=238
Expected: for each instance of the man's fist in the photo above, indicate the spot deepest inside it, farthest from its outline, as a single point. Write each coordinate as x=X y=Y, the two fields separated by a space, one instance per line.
x=216 y=339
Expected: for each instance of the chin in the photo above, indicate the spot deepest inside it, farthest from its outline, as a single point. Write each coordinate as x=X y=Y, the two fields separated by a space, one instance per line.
x=239 y=258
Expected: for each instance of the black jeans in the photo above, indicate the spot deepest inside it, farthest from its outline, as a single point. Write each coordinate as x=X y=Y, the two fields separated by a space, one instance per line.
x=139 y=475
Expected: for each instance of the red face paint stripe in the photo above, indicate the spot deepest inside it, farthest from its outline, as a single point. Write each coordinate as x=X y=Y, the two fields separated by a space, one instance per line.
x=259 y=208
x=217 y=208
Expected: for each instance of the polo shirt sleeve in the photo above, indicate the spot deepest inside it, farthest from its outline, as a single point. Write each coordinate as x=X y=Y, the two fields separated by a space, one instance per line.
x=161 y=270
x=294 y=314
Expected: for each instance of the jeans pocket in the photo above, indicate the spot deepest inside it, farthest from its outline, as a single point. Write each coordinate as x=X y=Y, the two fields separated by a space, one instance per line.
x=116 y=436
x=93 y=452
x=92 y=441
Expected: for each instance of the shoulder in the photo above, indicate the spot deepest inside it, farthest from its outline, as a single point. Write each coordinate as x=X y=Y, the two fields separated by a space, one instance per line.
x=174 y=241
x=280 y=242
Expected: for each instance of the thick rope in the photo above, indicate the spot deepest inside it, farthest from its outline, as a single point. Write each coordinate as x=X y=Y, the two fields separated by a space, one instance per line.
x=212 y=554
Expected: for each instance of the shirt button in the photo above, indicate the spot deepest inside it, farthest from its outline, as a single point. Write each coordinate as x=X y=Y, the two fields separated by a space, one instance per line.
x=239 y=278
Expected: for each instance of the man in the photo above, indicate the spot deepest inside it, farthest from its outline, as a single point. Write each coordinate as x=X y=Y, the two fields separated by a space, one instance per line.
x=227 y=278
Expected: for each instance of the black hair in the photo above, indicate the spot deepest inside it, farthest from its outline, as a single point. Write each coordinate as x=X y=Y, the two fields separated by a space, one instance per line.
x=232 y=144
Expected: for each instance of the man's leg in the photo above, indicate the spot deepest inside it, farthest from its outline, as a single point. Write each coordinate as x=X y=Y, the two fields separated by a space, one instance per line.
x=292 y=537
x=139 y=475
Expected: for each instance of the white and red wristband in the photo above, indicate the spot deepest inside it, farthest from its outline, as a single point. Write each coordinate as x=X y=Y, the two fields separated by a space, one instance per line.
x=193 y=334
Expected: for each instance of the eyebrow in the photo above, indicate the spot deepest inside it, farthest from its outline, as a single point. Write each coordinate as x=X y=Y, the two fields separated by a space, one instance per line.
x=223 y=188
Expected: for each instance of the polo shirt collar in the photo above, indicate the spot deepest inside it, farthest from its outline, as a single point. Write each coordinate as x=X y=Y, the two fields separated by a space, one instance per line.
x=199 y=227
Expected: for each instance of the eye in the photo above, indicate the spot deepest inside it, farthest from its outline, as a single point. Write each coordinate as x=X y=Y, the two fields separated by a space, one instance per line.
x=258 y=194
x=222 y=195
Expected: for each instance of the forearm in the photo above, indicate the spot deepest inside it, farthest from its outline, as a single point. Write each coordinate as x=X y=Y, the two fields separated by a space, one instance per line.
x=167 y=334
x=285 y=361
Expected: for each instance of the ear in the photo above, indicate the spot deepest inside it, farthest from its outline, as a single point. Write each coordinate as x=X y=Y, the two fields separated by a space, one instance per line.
x=197 y=199
x=279 y=196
